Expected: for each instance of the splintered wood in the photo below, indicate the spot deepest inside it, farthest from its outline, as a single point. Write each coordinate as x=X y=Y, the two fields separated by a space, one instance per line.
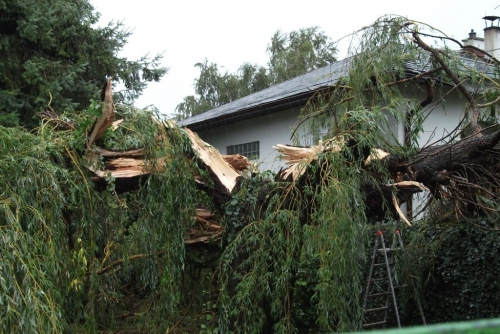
x=214 y=161
x=299 y=157
x=206 y=229
x=107 y=116
x=131 y=163
x=121 y=165
x=237 y=161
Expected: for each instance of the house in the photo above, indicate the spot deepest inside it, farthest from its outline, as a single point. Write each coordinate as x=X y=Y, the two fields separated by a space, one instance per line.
x=490 y=43
x=253 y=124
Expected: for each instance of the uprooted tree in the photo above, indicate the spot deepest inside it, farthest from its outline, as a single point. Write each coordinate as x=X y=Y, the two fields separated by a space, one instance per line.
x=108 y=221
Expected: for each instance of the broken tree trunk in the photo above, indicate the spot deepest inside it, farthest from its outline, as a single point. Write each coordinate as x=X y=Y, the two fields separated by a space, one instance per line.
x=213 y=160
x=107 y=116
x=132 y=163
x=450 y=170
x=429 y=161
x=129 y=166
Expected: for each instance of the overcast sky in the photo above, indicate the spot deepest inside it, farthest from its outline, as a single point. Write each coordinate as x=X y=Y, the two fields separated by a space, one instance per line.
x=231 y=32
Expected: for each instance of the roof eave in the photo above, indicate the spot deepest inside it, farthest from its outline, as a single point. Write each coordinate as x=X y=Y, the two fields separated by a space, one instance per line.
x=289 y=102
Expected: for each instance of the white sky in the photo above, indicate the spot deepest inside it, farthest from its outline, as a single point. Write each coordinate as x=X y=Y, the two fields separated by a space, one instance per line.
x=231 y=32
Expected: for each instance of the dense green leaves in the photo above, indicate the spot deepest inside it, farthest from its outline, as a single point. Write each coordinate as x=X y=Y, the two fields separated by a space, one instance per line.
x=290 y=55
x=55 y=57
x=297 y=263
x=455 y=266
x=214 y=89
x=32 y=234
x=299 y=52
x=71 y=251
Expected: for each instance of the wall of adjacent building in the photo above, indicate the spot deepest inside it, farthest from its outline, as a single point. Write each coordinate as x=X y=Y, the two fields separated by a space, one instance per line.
x=269 y=130
x=441 y=118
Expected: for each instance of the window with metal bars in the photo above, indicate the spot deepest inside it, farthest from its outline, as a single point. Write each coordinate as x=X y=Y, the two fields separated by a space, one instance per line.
x=249 y=150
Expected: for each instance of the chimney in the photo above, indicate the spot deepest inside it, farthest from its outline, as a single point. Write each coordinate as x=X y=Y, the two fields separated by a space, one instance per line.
x=492 y=37
x=474 y=41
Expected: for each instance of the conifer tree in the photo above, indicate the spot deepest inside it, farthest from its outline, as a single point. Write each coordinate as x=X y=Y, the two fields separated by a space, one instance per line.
x=54 y=56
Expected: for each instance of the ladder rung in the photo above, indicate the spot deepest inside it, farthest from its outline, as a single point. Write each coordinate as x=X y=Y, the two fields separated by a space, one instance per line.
x=386 y=279
x=380 y=279
x=382 y=264
x=377 y=309
x=379 y=294
x=375 y=323
x=387 y=249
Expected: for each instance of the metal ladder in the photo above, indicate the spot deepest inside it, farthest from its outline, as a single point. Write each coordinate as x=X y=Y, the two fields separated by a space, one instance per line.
x=380 y=295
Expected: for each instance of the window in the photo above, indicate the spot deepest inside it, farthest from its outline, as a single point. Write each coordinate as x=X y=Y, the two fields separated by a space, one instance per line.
x=249 y=150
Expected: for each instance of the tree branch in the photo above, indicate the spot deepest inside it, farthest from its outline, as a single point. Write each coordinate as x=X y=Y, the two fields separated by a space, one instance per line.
x=459 y=83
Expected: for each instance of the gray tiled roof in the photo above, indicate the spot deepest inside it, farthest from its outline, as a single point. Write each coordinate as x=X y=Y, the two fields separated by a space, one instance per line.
x=295 y=92
x=304 y=85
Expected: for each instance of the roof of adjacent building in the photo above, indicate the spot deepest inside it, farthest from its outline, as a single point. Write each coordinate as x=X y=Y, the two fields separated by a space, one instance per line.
x=293 y=93
x=288 y=94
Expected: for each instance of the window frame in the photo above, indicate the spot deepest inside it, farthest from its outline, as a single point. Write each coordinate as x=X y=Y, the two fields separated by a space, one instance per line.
x=251 y=150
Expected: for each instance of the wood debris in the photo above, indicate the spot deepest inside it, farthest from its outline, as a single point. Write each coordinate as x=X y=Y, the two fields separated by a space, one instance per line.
x=206 y=229
x=213 y=160
x=299 y=157
x=238 y=162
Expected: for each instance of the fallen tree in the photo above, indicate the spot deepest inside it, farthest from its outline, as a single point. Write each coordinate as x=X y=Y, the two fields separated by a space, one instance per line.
x=308 y=231
x=111 y=204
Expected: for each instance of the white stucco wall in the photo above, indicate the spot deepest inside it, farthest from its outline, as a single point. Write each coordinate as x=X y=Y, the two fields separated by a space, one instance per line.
x=269 y=130
x=442 y=117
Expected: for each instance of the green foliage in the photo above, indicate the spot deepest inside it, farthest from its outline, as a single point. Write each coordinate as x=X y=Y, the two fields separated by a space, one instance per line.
x=299 y=52
x=33 y=270
x=290 y=55
x=457 y=268
x=214 y=89
x=368 y=98
x=55 y=57
x=73 y=253
x=297 y=266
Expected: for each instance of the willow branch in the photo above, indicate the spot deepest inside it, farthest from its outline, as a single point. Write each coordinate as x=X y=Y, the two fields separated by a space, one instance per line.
x=452 y=76
x=437 y=69
x=120 y=261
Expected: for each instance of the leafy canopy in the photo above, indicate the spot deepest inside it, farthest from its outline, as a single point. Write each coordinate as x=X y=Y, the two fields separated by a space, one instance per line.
x=53 y=55
x=290 y=55
x=64 y=238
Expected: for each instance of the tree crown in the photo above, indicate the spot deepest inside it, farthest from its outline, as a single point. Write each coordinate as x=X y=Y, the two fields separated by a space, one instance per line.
x=55 y=57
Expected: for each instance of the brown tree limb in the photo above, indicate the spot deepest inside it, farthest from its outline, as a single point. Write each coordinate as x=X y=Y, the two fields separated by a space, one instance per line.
x=432 y=160
x=459 y=83
x=120 y=261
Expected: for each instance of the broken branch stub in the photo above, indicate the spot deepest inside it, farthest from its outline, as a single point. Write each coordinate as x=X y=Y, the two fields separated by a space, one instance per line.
x=214 y=161
x=107 y=116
